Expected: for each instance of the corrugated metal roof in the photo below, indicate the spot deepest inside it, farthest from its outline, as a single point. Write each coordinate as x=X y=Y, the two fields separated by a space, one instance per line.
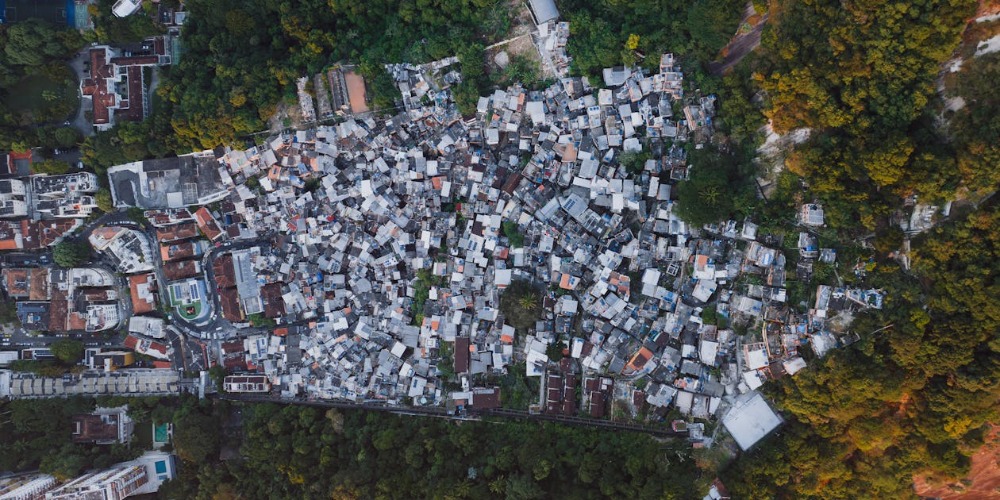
x=544 y=10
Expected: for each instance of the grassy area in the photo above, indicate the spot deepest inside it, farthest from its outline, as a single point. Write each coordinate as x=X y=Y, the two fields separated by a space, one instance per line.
x=195 y=311
x=46 y=96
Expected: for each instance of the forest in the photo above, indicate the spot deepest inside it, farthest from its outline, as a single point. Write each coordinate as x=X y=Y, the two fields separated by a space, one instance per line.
x=35 y=434
x=305 y=452
x=912 y=399
x=696 y=31
x=861 y=77
x=38 y=90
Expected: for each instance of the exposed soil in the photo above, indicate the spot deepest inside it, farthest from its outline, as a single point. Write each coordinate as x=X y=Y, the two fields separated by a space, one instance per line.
x=982 y=482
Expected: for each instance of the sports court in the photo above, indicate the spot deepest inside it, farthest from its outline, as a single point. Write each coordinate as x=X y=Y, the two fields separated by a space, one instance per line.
x=64 y=12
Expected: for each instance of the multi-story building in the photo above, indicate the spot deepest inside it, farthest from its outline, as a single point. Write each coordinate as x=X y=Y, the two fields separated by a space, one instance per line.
x=118 y=482
x=64 y=196
x=26 y=486
x=116 y=88
x=138 y=477
x=10 y=208
x=247 y=383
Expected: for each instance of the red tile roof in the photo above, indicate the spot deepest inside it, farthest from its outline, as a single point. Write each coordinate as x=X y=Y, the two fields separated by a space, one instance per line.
x=180 y=231
x=225 y=274
x=229 y=299
x=207 y=224
x=461 y=355
x=140 y=306
x=97 y=86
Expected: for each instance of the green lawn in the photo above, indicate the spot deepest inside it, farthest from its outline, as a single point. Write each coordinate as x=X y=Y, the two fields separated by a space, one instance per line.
x=182 y=310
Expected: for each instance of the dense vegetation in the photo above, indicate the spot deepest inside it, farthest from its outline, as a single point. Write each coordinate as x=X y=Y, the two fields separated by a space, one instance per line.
x=861 y=75
x=914 y=398
x=611 y=33
x=304 y=452
x=258 y=49
x=37 y=89
x=975 y=128
x=71 y=252
x=36 y=434
x=716 y=187
x=521 y=305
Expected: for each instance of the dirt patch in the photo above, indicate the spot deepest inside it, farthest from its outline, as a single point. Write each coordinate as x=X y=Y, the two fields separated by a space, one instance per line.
x=285 y=116
x=982 y=482
x=356 y=92
x=747 y=39
x=519 y=44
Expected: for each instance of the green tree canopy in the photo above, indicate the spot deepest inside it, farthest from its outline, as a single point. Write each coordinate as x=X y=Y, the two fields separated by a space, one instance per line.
x=196 y=437
x=32 y=42
x=521 y=304
x=67 y=351
x=104 y=200
x=51 y=167
x=71 y=253
x=67 y=137
x=717 y=184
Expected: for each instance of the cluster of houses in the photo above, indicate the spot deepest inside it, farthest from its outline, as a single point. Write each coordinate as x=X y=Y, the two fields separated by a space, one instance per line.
x=131 y=252
x=382 y=247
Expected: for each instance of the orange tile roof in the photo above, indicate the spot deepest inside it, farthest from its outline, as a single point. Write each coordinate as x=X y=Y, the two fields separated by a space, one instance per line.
x=640 y=359
x=207 y=223
x=140 y=306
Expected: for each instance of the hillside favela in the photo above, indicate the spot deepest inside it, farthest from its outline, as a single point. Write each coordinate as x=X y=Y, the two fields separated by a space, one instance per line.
x=533 y=249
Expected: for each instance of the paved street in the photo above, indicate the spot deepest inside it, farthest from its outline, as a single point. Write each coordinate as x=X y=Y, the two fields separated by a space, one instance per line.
x=79 y=64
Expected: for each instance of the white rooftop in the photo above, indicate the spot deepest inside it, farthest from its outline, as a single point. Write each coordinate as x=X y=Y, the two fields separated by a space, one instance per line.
x=750 y=419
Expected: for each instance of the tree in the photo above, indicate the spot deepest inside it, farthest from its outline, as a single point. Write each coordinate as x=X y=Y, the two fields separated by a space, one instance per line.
x=520 y=304
x=196 y=436
x=68 y=351
x=555 y=351
x=974 y=127
x=716 y=182
x=218 y=375
x=33 y=41
x=67 y=137
x=510 y=230
x=528 y=301
x=70 y=253
x=635 y=163
x=51 y=167
x=104 y=200
x=8 y=313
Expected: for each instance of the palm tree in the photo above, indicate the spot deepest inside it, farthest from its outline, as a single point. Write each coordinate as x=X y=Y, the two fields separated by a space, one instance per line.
x=528 y=301
x=711 y=195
